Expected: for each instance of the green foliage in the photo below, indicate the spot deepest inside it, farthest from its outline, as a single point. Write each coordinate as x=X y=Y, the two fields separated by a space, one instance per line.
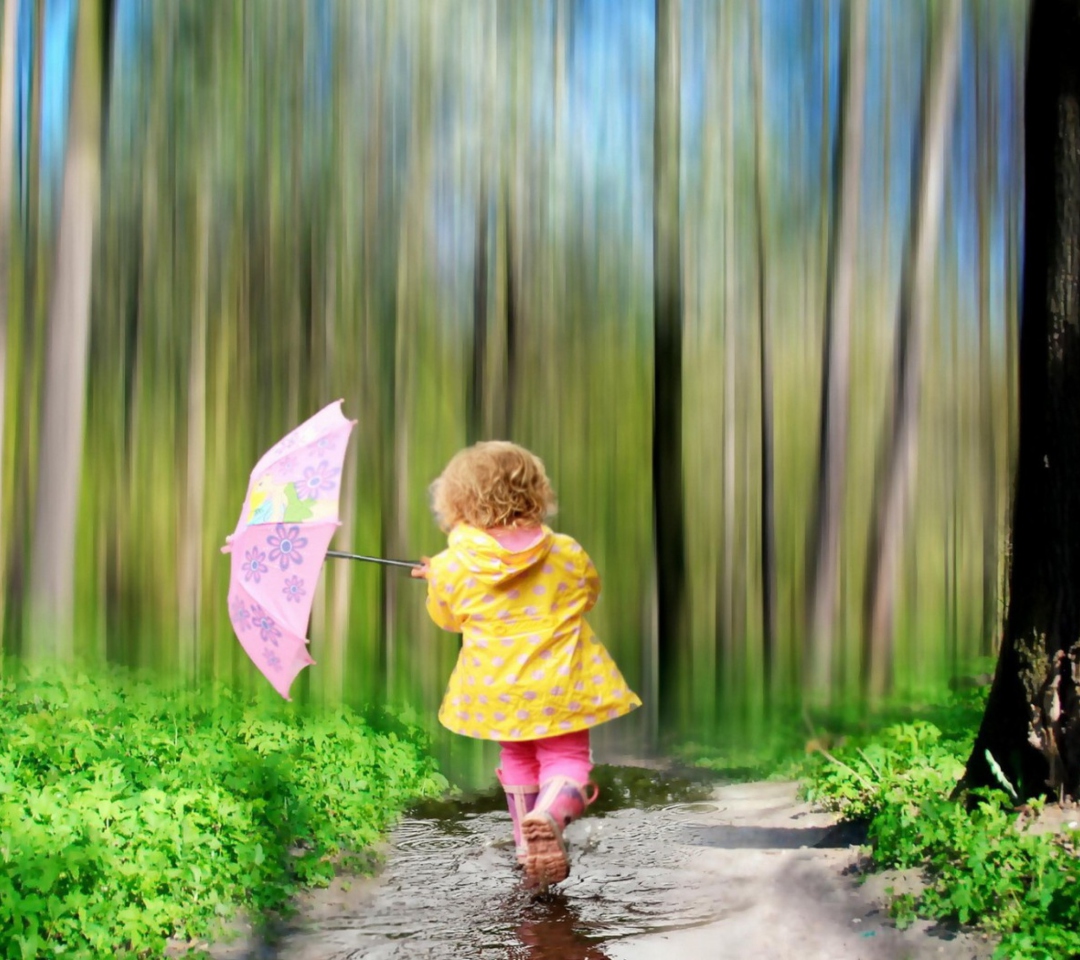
x=908 y=760
x=789 y=747
x=130 y=814
x=981 y=865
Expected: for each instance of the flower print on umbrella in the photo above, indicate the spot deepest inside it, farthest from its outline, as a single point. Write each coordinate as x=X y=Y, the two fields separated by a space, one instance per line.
x=264 y=623
x=285 y=544
x=288 y=518
x=240 y=614
x=317 y=481
x=294 y=589
x=285 y=469
x=254 y=567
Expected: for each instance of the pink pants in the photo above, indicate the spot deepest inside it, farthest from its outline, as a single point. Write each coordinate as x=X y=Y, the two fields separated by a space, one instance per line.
x=527 y=762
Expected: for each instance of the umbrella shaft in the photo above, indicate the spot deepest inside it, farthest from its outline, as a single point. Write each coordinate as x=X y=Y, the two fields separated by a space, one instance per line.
x=357 y=556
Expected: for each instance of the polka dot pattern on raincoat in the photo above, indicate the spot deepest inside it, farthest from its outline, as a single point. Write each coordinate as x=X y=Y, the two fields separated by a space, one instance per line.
x=530 y=666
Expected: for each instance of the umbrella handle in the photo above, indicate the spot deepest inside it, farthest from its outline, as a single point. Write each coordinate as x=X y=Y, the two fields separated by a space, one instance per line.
x=357 y=556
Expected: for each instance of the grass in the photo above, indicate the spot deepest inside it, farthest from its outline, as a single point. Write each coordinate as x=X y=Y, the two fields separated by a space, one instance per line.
x=132 y=815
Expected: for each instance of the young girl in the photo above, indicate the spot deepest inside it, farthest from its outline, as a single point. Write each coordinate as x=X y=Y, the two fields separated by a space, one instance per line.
x=531 y=674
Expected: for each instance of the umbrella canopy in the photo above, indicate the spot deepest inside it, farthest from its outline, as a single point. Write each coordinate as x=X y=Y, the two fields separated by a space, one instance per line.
x=289 y=516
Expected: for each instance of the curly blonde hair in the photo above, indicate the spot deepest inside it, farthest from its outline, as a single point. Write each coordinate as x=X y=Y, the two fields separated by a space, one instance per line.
x=492 y=484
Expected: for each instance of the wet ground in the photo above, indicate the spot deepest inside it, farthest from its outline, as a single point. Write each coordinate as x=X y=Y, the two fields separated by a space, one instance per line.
x=664 y=866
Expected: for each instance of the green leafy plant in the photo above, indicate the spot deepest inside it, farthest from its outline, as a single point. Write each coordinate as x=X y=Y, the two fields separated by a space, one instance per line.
x=982 y=865
x=908 y=760
x=131 y=815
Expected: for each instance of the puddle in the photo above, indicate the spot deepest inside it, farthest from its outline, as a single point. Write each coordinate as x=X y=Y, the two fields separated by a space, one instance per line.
x=451 y=890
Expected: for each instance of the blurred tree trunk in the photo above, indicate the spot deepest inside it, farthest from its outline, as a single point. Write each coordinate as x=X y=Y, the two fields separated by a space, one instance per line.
x=474 y=426
x=728 y=623
x=379 y=369
x=52 y=579
x=18 y=532
x=667 y=452
x=1012 y=269
x=823 y=562
x=191 y=534
x=1032 y=722
x=504 y=414
x=897 y=464
x=490 y=390
x=152 y=242
x=825 y=162
x=338 y=326
x=986 y=176
x=768 y=518
x=477 y=422
x=7 y=153
x=413 y=275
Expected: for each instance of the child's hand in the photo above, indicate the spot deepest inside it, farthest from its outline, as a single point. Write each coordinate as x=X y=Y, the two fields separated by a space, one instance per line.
x=422 y=571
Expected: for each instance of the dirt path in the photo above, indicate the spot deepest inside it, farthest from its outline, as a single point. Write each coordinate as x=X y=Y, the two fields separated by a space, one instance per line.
x=741 y=871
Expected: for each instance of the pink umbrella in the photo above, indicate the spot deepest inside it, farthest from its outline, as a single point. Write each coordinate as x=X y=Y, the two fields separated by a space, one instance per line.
x=290 y=515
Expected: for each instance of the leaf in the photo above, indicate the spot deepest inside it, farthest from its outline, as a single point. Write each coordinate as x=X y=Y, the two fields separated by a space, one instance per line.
x=999 y=775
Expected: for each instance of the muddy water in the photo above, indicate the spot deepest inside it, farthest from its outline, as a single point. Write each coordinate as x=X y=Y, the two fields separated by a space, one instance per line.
x=451 y=890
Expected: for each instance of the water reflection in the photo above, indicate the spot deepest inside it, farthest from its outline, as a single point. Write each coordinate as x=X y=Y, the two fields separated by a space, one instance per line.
x=552 y=929
x=450 y=887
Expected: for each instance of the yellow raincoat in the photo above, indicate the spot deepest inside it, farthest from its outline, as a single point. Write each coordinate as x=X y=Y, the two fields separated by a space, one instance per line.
x=529 y=666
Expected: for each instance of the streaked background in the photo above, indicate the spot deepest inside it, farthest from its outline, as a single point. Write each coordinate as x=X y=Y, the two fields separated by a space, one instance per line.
x=230 y=214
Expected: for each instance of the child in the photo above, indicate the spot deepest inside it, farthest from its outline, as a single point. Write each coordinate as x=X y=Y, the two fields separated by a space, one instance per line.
x=531 y=674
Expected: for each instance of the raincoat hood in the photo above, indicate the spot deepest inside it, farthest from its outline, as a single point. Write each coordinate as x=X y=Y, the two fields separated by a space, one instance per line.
x=488 y=560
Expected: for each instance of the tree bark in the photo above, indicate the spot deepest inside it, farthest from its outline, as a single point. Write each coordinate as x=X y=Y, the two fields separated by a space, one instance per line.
x=667 y=453
x=823 y=563
x=1032 y=722
x=52 y=578
x=897 y=465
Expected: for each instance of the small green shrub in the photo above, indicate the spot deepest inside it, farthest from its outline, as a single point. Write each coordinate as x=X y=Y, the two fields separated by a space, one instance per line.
x=981 y=867
x=130 y=814
x=905 y=761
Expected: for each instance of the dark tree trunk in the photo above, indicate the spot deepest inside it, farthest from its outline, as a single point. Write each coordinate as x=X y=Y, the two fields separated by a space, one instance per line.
x=1032 y=721
x=823 y=567
x=667 y=473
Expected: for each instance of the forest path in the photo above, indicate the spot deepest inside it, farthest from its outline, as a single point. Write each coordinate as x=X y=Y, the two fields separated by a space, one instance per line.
x=744 y=870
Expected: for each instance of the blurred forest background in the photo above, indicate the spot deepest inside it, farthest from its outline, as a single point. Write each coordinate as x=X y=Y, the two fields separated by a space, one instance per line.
x=743 y=274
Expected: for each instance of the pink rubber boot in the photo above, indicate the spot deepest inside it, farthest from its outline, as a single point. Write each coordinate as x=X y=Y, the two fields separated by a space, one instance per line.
x=561 y=800
x=520 y=799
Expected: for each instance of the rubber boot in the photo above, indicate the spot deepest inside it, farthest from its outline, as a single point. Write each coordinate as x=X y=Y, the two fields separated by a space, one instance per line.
x=560 y=802
x=521 y=799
